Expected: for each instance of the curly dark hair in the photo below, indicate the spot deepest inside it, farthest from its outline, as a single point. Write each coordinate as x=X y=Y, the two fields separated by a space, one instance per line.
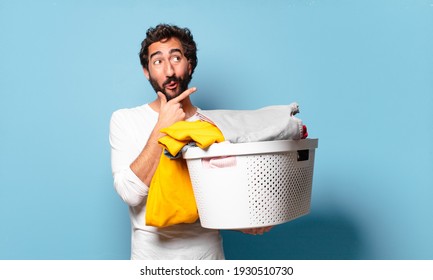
x=165 y=31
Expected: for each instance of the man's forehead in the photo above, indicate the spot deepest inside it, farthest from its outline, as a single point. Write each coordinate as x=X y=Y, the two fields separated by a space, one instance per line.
x=166 y=46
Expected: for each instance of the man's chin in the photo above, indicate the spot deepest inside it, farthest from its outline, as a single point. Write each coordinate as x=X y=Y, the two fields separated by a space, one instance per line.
x=170 y=94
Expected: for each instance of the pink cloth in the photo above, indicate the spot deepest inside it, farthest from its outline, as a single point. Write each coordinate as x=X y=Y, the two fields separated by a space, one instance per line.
x=219 y=162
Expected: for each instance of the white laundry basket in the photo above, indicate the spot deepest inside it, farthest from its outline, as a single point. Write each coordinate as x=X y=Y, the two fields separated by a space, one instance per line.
x=265 y=183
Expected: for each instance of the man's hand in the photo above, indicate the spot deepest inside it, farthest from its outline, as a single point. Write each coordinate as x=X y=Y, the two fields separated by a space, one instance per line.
x=255 y=231
x=171 y=111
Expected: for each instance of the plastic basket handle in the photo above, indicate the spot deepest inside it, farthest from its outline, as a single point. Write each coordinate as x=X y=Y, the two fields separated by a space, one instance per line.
x=303 y=155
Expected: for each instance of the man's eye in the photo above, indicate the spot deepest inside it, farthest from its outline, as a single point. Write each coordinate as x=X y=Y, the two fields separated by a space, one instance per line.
x=157 y=62
x=176 y=58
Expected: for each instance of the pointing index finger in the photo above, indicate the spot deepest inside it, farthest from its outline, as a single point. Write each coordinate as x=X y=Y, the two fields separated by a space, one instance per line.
x=184 y=94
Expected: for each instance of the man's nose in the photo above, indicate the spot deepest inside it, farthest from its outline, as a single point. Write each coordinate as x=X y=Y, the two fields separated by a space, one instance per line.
x=169 y=69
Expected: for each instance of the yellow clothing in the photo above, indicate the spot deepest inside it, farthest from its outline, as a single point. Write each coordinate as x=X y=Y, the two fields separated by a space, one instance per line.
x=171 y=199
x=181 y=133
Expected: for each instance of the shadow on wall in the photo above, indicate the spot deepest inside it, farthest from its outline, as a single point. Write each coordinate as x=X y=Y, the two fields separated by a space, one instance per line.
x=311 y=237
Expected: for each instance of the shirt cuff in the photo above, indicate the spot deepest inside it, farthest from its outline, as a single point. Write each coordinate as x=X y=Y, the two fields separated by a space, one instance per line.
x=142 y=189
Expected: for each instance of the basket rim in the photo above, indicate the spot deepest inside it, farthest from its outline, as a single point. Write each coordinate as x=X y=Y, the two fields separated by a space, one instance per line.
x=250 y=148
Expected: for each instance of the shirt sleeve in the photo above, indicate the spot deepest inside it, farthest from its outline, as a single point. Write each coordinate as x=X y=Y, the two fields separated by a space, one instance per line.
x=123 y=152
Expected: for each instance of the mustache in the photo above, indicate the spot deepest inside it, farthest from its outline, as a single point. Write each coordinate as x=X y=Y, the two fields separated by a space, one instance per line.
x=171 y=79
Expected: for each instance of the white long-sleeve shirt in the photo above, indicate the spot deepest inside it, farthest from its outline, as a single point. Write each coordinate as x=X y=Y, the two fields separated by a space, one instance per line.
x=129 y=132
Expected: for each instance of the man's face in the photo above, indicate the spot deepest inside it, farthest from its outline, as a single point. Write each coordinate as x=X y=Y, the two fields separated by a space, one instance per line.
x=169 y=69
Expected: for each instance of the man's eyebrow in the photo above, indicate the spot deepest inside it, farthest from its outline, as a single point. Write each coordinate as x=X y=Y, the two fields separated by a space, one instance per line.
x=155 y=53
x=170 y=52
x=175 y=50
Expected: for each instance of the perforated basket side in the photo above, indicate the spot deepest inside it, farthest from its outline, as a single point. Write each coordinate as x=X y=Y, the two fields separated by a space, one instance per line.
x=279 y=189
x=221 y=194
x=261 y=190
x=194 y=168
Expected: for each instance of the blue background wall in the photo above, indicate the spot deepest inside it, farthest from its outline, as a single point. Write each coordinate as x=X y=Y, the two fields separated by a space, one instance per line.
x=362 y=72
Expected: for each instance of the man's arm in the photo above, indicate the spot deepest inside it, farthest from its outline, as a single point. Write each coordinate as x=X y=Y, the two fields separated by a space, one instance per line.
x=144 y=166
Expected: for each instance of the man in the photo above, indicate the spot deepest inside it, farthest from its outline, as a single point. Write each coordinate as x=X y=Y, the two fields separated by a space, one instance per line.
x=168 y=57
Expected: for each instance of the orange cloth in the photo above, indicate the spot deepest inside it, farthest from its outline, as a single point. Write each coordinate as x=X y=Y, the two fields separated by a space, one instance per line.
x=171 y=199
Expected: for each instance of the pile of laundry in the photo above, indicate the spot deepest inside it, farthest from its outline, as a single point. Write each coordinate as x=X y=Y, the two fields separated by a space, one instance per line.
x=171 y=199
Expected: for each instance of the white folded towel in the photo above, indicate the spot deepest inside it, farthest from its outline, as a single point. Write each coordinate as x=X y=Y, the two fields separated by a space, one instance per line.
x=265 y=124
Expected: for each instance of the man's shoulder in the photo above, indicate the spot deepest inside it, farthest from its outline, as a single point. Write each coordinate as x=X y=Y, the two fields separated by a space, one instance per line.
x=135 y=118
x=127 y=112
x=131 y=109
x=130 y=114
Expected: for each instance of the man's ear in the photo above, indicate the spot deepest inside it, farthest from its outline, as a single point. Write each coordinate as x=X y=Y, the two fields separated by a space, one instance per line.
x=146 y=73
x=189 y=68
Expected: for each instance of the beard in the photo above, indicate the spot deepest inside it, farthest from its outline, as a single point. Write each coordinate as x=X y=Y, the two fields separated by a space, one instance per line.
x=182 y=85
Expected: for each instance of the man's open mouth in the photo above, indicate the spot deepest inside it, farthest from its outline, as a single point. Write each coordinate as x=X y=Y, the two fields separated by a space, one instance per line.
x=171 y=85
